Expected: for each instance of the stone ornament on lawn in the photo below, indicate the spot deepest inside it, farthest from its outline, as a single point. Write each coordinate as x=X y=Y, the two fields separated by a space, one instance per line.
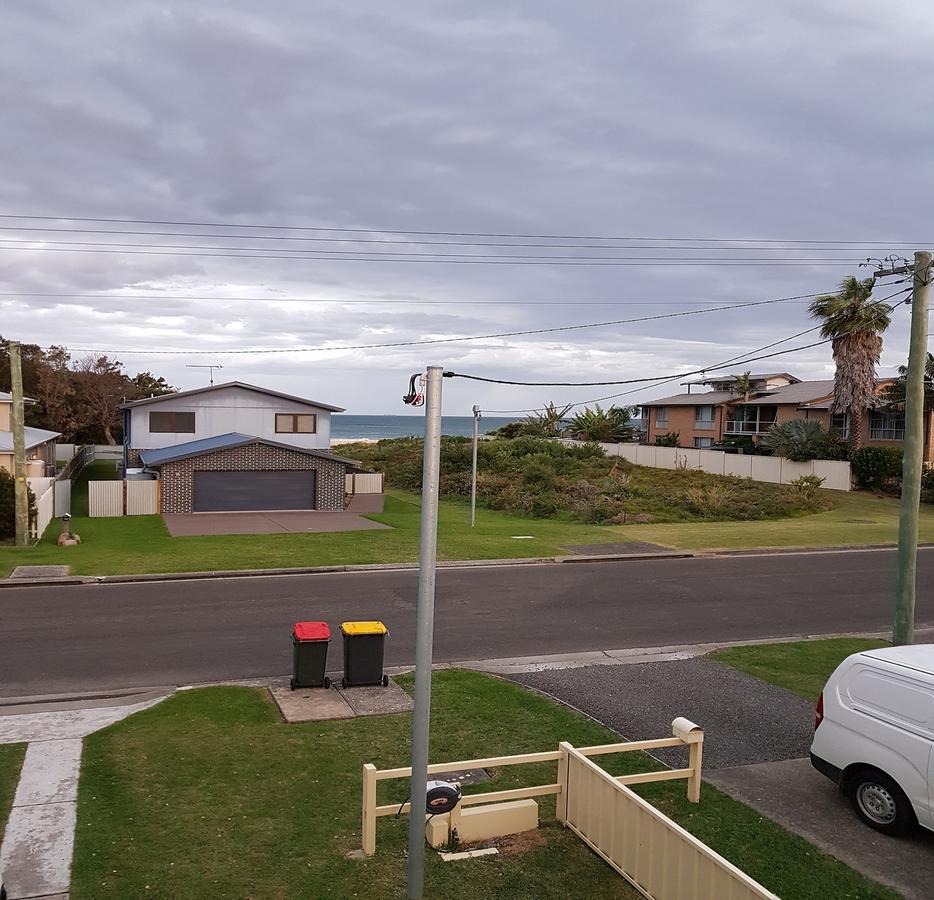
x=68 y=539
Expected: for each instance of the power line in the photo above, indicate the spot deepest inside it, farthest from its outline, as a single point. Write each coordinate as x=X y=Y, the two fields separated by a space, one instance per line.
x=741 y=359
x=560 y=328
x=437 y=233
x=391 y=255
x=549 y=245
x=355 y=301
x=388 y=258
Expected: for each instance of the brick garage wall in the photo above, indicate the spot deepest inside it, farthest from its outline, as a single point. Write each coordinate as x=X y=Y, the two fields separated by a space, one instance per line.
x=177 y=478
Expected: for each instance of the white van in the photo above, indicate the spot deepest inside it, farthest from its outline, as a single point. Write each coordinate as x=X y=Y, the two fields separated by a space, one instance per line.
x=874 y=735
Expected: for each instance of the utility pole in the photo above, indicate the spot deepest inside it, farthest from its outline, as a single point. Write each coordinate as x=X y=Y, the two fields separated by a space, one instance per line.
x=424 y=633
x=473 y=469
x=17 y=426
x=903 y=628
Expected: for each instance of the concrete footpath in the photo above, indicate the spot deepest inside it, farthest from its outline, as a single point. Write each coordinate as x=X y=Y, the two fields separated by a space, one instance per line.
x=756 y=741
x=36 y=853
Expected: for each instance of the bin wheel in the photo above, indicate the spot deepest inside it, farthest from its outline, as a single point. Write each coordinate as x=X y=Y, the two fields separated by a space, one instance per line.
x=385 y=681
x=343 y=682
x=327 y=682
x=291 y=684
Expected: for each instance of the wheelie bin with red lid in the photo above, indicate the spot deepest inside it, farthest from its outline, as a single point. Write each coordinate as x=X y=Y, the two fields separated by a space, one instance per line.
x=310 y=655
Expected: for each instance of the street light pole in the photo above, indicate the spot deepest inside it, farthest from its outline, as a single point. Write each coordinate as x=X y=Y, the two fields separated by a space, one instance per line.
x=903 y=628
x=424 y=631
x=473 y=468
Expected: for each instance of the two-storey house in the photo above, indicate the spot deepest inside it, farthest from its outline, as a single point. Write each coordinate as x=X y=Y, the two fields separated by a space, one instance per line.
x=235 y=447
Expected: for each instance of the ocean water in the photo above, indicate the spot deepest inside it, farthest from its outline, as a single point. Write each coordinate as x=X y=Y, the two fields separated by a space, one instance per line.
x=344 y=427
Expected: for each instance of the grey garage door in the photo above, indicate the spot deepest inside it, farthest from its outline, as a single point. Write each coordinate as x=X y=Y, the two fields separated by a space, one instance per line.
x=233 y=491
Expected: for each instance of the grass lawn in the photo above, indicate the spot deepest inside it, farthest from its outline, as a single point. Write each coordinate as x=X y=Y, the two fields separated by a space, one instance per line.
x=209 y=795
x=134 y=544
x=802 y=667
x=11 y=761
x=858 y=518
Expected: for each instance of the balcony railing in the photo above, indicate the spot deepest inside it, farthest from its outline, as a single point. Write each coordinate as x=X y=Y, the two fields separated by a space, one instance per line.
x=737 y=427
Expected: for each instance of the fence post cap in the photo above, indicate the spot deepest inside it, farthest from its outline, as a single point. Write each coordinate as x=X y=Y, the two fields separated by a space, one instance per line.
x=686 y=730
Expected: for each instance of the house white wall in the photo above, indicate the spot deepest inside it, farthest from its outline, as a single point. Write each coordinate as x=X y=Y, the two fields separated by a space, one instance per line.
x=224 y=411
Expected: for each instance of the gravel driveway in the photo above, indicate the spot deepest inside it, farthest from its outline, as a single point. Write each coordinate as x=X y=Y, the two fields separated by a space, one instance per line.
x=745 y=720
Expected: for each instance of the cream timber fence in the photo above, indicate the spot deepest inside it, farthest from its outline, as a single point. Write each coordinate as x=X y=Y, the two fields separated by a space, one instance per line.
x=653 y=853
x=661 y=860
x=773 y=469
x=123 y=498
x=364 y=483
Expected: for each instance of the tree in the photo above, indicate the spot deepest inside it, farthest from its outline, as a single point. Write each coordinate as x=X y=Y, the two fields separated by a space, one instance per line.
x=895 y=393
x=743 y=385
x=802 y=440
x=149 y=385
x=613 y=425
x=855 y=325
x=102 y=386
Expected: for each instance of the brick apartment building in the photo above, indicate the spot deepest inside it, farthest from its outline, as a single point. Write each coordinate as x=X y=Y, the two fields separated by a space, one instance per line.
x=703 y=418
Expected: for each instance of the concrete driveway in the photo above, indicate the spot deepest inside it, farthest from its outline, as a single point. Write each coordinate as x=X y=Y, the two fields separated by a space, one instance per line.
x=272 y=522
x=756 y=741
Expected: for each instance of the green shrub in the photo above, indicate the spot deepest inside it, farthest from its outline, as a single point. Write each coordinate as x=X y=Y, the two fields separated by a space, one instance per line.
x=877 y=467
x=806 y=488
x=672 y=439
x=927 y=485
x=536 y=477
x=8 y=507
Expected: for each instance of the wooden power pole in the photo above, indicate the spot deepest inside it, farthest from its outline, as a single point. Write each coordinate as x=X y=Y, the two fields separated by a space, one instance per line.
x=17 y=426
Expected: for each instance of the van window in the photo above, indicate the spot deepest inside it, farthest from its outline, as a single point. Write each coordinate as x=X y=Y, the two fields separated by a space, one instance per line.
x=892 y=697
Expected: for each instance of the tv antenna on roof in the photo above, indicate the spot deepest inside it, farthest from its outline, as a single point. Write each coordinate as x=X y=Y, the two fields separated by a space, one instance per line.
x=211 y=367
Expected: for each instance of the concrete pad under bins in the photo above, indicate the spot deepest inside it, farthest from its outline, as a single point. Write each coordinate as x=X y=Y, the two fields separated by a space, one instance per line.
x=310 y=704
x=377 y=700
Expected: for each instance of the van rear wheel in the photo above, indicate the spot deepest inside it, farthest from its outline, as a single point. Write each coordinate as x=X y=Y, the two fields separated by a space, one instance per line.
x=880 y=802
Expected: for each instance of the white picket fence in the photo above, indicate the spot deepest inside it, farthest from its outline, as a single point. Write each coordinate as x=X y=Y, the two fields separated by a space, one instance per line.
x=123 y=498
x=772 y=469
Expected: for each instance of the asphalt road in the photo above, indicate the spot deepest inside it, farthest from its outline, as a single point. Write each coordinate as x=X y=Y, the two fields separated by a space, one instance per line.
x=101 y=637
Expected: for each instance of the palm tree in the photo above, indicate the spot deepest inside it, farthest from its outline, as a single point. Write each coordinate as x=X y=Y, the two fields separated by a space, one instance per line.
x=743 y=385
x=613 y=425
x=855 y=325
x=895 y=393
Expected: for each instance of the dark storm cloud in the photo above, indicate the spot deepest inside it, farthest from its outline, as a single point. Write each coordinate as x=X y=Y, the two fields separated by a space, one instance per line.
x=804 y=120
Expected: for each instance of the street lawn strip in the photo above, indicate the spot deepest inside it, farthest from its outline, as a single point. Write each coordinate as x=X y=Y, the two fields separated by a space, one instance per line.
x=142 y=544
x=801 y=667
x=208 y=794
x=857 y=519
x=11 y=761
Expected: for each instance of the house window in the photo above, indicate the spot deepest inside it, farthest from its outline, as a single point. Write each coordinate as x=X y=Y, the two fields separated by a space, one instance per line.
x=291 y=423
x=750 y=419
x=172 y=423
x=703 y=417
x=840 y=422
x=887 y=426
x=661 y=415
x=703 y=443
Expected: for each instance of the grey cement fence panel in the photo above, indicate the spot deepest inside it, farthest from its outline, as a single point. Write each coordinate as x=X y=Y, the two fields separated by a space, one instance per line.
x=108 y=451
x=771 y=469
x=64 y=452
x=62 y=488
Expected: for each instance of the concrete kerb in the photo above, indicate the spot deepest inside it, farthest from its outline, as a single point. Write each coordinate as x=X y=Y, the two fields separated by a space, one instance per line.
x=442 y=564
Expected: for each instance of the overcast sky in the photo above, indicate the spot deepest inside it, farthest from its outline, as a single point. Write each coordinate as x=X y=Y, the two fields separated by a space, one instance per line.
x=801 y=120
